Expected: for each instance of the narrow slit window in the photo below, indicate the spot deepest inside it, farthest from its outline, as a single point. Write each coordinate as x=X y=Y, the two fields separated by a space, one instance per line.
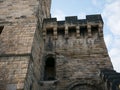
x=1 y=29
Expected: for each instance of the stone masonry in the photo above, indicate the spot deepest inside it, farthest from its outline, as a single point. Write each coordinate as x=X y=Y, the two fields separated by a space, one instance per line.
x=19 y=21
x=78 y=50
x=38 y=52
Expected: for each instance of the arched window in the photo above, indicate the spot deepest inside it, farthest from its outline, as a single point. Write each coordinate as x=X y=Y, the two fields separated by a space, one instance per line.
x=49 y=72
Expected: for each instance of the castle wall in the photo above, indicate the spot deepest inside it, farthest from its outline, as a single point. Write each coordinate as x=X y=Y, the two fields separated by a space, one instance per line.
x=46 y=54
x=35 y=67
x=20 y=20
x=13 y=70
x=79 y=51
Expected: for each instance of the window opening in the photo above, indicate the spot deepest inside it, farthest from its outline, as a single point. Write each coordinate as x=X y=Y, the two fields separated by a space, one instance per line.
x=49 y=73
x=94 y=30
x=1 y=29
x=83 y=31
x=72 y=31
x=31 y=87
x=61 y=31
x=50 y=31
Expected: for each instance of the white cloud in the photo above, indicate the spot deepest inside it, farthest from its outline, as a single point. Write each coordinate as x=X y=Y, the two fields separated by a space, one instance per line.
x=113 y=45
x=82 y=15
x=59 y=14
x=94 y=2
x=111 y=13
x=114 y=52
x=108 y=39
x=109 y=1
x=115 y=58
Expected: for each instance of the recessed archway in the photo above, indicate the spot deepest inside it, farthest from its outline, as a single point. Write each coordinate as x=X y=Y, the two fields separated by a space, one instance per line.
x=83 y=87
x=49 y=71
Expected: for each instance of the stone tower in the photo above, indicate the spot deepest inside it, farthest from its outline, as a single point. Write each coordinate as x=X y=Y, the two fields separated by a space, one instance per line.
x=74 y=53
x=46 y=54
x=20 y=28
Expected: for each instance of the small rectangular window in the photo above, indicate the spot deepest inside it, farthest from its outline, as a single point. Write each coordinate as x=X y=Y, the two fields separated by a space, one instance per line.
x=50 y=31
x=61 y=31
x=72 y=31
x=83 y=31
x=94 y=30
x=1 y=29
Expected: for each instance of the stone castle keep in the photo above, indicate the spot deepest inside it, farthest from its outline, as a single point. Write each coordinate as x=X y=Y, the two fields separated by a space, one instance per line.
x=38 y=52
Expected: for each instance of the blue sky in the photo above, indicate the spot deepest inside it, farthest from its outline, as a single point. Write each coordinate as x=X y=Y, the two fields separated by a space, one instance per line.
x=110 y=11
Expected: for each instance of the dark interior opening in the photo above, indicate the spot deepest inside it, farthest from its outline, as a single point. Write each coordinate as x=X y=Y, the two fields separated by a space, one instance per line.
x=49 y=31
x=31 y=87
x=1 y=29
x=72 y=31
x=83 y=31
x=49 y=73
x=61 y=31
x=94 y=30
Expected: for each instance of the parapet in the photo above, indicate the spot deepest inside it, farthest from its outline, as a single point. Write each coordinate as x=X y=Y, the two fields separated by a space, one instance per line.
x=72 y=22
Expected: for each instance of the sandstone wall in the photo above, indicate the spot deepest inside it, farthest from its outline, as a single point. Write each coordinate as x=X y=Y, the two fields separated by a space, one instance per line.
x=13 y=70
x=79 y=51
x=35 y=67
x=20 y=21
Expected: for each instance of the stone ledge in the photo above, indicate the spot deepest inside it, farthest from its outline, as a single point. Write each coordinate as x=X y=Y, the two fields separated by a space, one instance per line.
x=9 y=55
x=48 y=82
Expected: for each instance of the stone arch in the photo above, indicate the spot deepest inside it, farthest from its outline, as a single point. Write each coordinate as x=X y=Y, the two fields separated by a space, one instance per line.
x=49 y=68
x=81 y=86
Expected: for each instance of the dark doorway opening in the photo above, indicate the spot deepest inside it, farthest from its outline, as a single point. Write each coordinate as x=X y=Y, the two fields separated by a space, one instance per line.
x=49 y=73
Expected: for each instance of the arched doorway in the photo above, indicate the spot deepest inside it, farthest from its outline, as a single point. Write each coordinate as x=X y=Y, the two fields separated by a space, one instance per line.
x=49 y=71
x=83 y=87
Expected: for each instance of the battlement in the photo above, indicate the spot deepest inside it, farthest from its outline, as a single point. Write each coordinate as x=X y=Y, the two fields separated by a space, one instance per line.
x=72 y=24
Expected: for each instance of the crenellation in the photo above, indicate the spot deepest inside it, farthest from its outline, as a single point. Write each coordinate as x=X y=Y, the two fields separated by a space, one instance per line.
x=71 y=23
x=95 y=19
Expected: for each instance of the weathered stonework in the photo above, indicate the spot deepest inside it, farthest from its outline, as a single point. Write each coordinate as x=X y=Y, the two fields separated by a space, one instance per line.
x=79 y=52
x=19 y=21
x=38 y=52
x=15 y=68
